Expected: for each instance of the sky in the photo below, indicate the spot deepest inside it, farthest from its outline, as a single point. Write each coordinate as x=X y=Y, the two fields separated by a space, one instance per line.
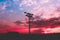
x=12 y=10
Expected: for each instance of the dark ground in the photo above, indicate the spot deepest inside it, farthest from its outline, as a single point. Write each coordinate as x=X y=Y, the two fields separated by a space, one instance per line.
x=17 y=36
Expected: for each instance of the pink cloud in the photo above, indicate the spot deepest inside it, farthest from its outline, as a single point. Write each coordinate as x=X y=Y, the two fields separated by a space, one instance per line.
x=28 y=3
x=44 y=1
x=48 y=11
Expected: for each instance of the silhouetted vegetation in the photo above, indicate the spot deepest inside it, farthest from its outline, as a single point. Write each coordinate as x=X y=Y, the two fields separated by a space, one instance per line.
x=17 y=36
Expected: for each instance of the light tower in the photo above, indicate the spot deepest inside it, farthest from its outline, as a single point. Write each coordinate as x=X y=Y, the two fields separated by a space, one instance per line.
x=29 y=15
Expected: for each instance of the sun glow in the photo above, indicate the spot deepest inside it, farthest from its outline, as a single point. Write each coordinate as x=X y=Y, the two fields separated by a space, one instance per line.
x=51 y=30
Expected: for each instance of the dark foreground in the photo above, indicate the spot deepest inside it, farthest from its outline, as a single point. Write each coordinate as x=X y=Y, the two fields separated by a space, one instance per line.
x=17 y=36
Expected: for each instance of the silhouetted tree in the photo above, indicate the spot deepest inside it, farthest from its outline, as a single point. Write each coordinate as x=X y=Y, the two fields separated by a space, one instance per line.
x=29 y=15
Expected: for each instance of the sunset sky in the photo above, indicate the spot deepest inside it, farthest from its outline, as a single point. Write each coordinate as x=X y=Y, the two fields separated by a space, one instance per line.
x=12 y=10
